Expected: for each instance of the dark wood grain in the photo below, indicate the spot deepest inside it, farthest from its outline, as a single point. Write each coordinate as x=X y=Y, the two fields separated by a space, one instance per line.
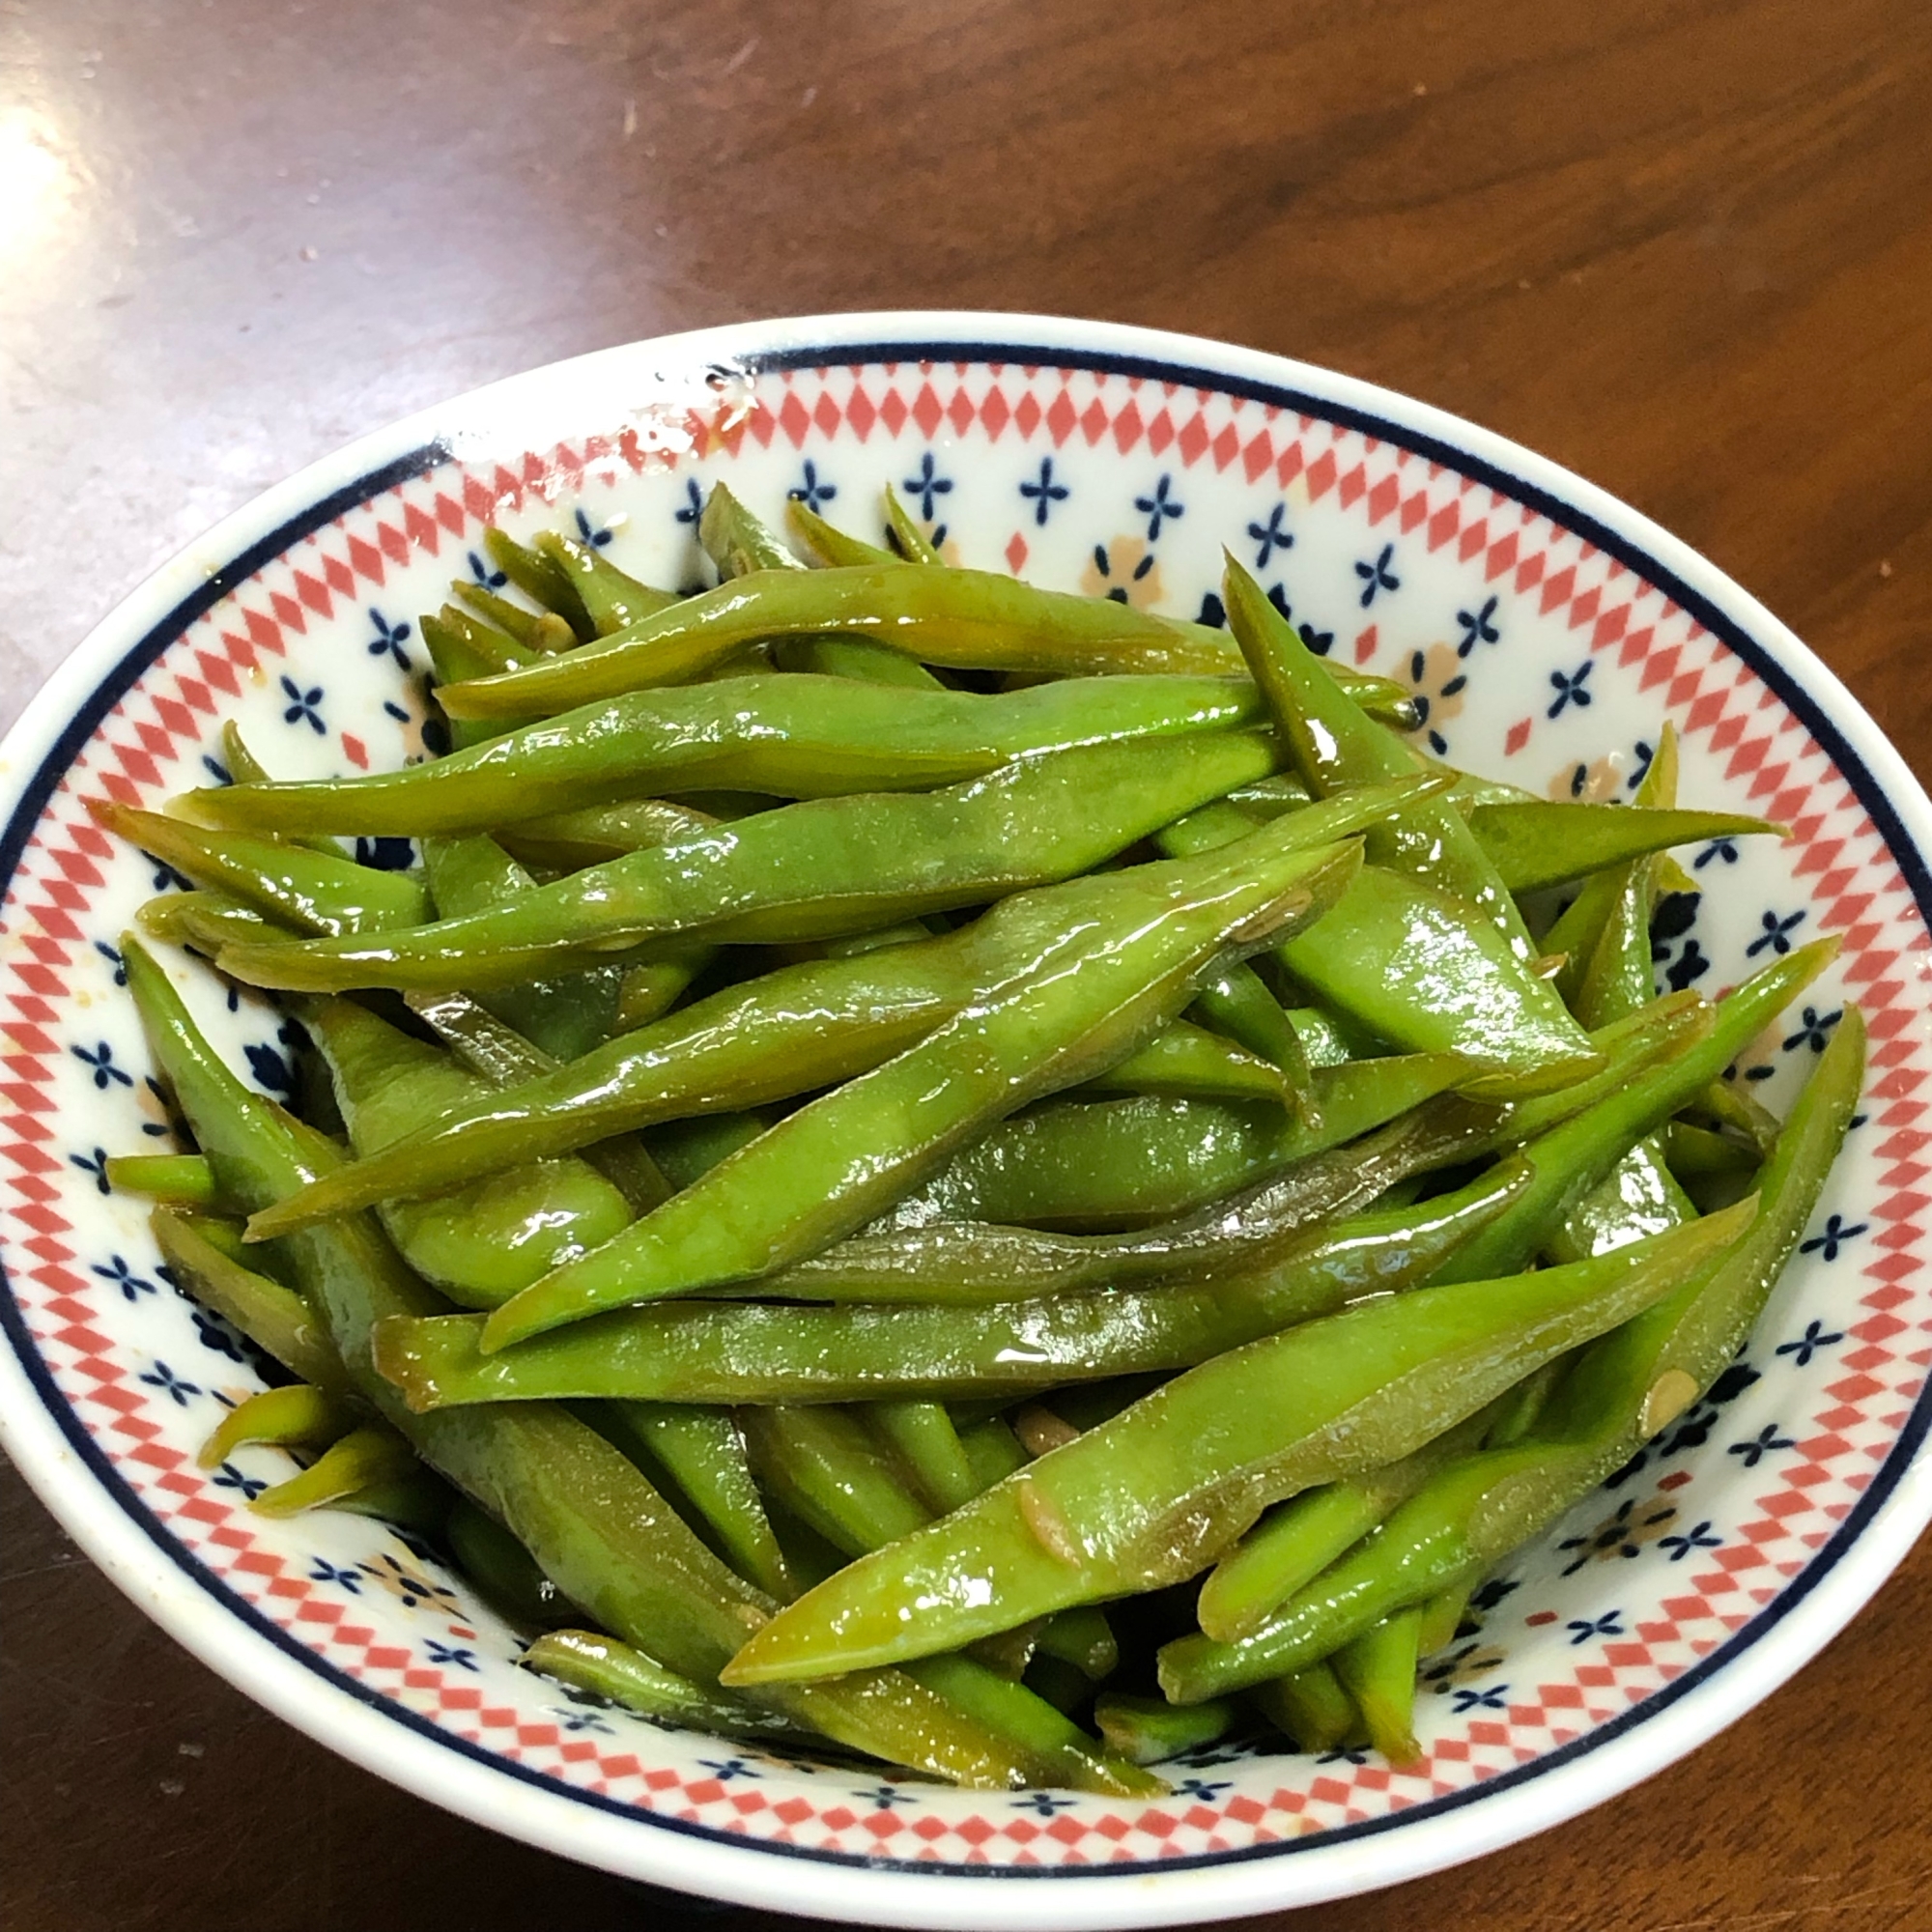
x=1683 y=248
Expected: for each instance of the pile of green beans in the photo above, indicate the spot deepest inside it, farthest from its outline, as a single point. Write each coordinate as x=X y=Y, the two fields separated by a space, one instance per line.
x=902 y=1117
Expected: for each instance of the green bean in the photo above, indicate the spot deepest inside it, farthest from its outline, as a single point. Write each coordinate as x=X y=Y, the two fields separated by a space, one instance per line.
x=993 y=1450
x=493 y=1237
x=1238 y=1004
x=854 y=658
x=1421 y=969
x=458 y=642
x=1441 y=1618
x=914 y=545
x=799 y=737
x=297 y=1415
x=1413 y=965
x=1145 y=1730
x=810 y=870
x=849 y=657
x=1532 y=843
x=478 y=1040
x=1328 y=1038
x=1202 y=1065
x=541 y=632
x=1378 y=1670
x=1639 y=1195
x=828 y=1472
x=1672 y=1356
x=1067 y=1752
x=1574 y=937
x=923 y=1435
x=802 y=1027
x=1167 y=1485
x=648 y=991
x=178 y=1180
x=833 y=1165
x=1296 y=1541
x=822 y=1464
x=278 y=1319
x=204 y=920
x=1513 y=1419
x=1550 y=843
x=1309 y=1704
x=1333 y=743
x=539 y=575
x=965 y=619
x=245 y=768
x=502 y=1570
x=761 y=1352
x=1075 y=1164
x=562 y=1017
x=703 y=1452
x=1083 y=1638
x=976 y=1262
x=595 y=1525
x=1014 y=1654
x=457 y=650
x=1661 y=1030
x=1621 y=1391
x=293 y=885
x=1571 y=1159
x=1079 y=1164
x=364 y=1458
x=1729 y=1104
x=589 y=1661
x=689 y=1149
x=1688 y=1151
x=566 y=841
x=831 y=545
x=611 y=598
x=736 y=541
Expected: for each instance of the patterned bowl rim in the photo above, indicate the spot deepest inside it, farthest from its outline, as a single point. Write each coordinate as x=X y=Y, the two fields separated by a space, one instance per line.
x=80 y=1485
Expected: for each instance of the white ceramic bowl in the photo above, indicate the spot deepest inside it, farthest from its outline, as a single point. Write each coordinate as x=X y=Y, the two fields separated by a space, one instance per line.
x=1550 y=628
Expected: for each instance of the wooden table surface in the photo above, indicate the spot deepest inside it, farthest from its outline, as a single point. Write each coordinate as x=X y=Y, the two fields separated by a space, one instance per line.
x=1683 y=246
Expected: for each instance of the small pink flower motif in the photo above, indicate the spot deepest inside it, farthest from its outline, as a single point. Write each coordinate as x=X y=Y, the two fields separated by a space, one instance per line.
x=1758 y=1062
x=1462 y=1663
x=1125 y=570
x=1626 y=1531
x=1438 y=679
x=1592 y=784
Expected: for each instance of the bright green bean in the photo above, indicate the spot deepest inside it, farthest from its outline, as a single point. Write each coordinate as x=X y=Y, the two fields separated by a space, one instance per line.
x=1167 y=1485
x=797 y=736
x=810 y=870
x=761 y=1353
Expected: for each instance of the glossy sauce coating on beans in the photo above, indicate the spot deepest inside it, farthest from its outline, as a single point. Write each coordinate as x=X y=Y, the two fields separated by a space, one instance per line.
x=844 y=1396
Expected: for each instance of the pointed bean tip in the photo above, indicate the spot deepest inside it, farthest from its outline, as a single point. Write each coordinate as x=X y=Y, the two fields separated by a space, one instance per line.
x=514 y=1320
x=204 y=808
x=459 y=699
x=391 y=1356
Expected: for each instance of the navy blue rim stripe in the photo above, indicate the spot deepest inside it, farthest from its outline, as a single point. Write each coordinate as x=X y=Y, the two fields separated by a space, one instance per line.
x=431 y=455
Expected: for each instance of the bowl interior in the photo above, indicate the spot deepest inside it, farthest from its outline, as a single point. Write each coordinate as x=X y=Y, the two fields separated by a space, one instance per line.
x=1543 y=648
